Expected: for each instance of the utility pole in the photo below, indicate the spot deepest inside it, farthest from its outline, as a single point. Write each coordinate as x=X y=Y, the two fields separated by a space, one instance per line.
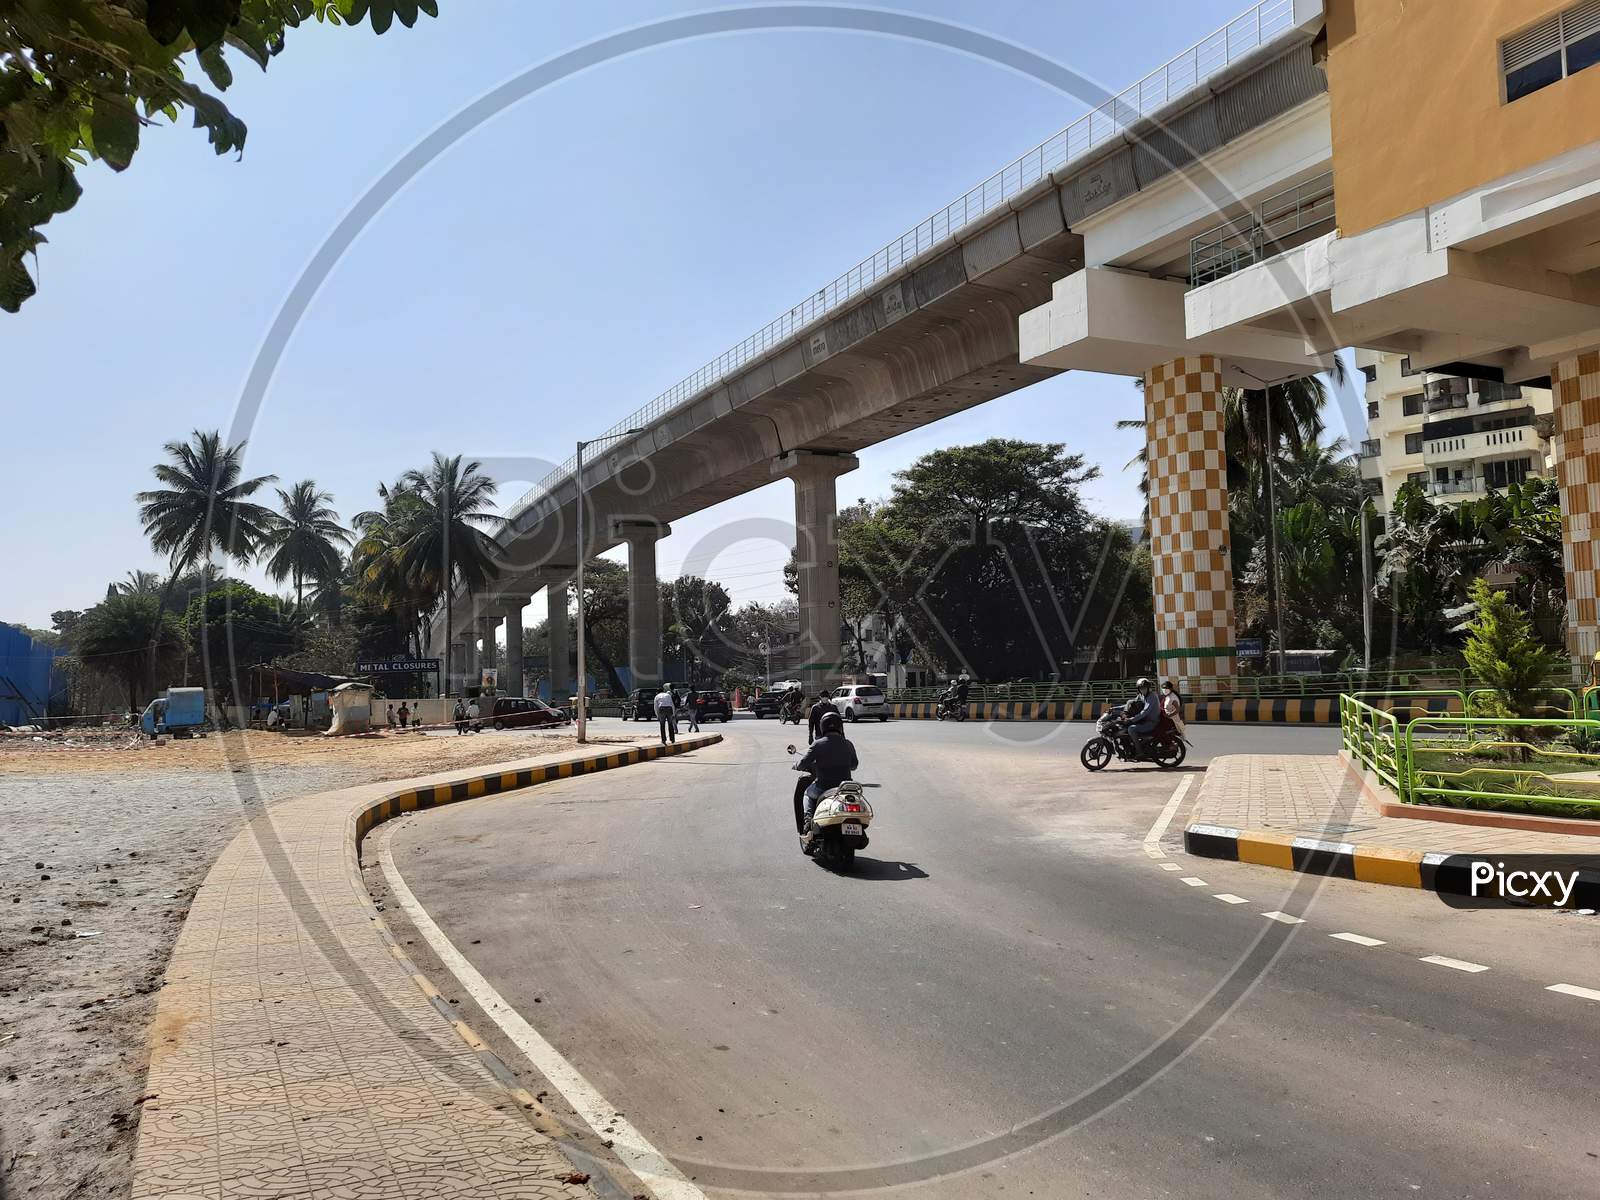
x=1366 y=590
x=581 y=700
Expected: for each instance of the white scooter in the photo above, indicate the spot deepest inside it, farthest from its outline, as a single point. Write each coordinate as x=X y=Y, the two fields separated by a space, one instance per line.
x=838 y=825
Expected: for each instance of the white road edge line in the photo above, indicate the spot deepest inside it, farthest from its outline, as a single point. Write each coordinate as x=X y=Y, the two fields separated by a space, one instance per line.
x=1230 y=898
x=664 y=1180
x=1455 y=964
x=1285 y=918
x=1152 y=840
x=1572 y=989
x=1358 y=939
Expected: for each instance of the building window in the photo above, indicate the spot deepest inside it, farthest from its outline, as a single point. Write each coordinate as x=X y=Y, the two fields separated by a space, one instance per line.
x=1372 y=410
x=1405 y=366
x=1411 y=405
x=1371 y=372
x=1370 y=448
x=1414 y=443
x=1417 y=477
x=1548 y=52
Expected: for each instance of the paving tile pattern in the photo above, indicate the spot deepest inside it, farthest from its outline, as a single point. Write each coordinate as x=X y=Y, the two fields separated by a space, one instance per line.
x=293 y=1054
x=1313 y=795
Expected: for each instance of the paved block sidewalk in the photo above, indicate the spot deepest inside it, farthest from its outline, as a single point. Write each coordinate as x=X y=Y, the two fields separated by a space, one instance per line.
x=1310 y=812
x=294 y=1053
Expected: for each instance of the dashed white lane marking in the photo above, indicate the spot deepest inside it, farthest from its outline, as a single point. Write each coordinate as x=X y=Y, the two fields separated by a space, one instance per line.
x=664 y=1180
x=1152 y=840
x=1455 y=964
x=1193 y=881
x=1230 y=898
x=1358 y=939
x=1171 y=867
x=1283 y=917
x=1572 y=989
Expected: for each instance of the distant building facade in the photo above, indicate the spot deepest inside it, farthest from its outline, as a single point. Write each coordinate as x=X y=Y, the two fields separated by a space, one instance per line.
x=1456 y=436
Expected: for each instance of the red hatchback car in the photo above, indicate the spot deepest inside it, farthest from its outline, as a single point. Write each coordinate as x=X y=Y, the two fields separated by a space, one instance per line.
x=516 y=712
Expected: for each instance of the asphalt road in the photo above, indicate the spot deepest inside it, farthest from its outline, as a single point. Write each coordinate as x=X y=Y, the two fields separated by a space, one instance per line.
x=1010 y=997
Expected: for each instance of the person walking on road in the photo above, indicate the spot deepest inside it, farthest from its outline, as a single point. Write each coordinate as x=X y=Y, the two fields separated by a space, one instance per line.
x=472 y=717
x=666 y=713
x=461 y=717
x=390 y=717
x=818 y=710
x=405 y=714
x=689 y=707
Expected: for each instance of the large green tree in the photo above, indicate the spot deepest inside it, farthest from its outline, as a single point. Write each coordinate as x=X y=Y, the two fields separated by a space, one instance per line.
x=605 y=618
x=234 y=627
x=82 y=79
x=988 y=560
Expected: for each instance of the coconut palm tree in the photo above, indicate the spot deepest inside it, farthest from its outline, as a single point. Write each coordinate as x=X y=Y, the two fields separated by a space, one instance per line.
x=137 y=583
x=379 y=565
x=204 y=508
x=305 y=541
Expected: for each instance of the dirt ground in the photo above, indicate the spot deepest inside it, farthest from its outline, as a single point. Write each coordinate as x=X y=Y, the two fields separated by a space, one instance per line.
x=101 y=848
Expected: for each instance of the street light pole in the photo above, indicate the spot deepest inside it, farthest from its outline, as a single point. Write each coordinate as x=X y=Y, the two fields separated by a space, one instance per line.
x=582 y=699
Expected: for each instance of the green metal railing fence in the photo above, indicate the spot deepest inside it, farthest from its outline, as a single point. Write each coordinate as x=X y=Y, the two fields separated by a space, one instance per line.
x=1371 y=736
x=1536 y=764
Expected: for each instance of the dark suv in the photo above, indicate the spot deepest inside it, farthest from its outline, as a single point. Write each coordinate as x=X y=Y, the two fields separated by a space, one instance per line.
x=640 y=705
x=713 y=706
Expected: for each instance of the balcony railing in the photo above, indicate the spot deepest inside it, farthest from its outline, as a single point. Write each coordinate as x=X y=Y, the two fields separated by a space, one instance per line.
x=1473 y=445
x=1371 y=448
x=1280 y=222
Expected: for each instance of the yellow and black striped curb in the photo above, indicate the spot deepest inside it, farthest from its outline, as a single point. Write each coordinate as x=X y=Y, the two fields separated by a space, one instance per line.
x=413 y=799
x=1296 y=710
x=1342 y=860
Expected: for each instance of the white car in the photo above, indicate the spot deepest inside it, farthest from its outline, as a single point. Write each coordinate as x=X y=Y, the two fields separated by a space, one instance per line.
x=856 y=700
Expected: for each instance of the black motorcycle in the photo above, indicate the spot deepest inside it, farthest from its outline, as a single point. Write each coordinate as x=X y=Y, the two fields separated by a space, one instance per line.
x=950 y=709
x=1165 y=747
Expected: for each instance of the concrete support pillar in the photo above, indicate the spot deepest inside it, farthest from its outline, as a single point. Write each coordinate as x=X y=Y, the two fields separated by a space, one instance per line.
x=468 y=670
x=1575 y=383
x=487 y=624
x=644 y=598
x=558 y=596
x=511 y=670
x=1189 y=541
x=816 y=553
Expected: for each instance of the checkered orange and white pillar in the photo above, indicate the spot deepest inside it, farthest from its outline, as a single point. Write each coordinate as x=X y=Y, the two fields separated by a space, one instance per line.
x=1189 y=544
x=1576 y=385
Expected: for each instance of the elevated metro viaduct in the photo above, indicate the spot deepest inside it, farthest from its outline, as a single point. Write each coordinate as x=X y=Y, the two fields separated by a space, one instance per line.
x=1233 y=219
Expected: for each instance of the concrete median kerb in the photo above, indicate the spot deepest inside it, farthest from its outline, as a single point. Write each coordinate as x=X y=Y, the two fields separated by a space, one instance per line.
x=297 y=1051
x=1317 y=815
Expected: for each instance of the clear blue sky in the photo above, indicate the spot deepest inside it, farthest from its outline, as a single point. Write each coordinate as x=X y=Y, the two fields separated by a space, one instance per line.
x=549 y=274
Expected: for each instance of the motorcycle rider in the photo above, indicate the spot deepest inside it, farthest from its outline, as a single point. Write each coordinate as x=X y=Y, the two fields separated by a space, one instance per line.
x=1143 y=722
x=829 y=761
x=793 y=702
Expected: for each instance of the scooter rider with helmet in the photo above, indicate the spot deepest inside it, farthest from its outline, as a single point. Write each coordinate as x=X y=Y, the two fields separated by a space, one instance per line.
x=829 y=762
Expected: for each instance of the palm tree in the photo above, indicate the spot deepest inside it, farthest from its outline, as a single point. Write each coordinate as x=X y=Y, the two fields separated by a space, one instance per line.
x=137 y=583
x=203 y=508
x=125 y=636
x=430 y=536
x=305 y=541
